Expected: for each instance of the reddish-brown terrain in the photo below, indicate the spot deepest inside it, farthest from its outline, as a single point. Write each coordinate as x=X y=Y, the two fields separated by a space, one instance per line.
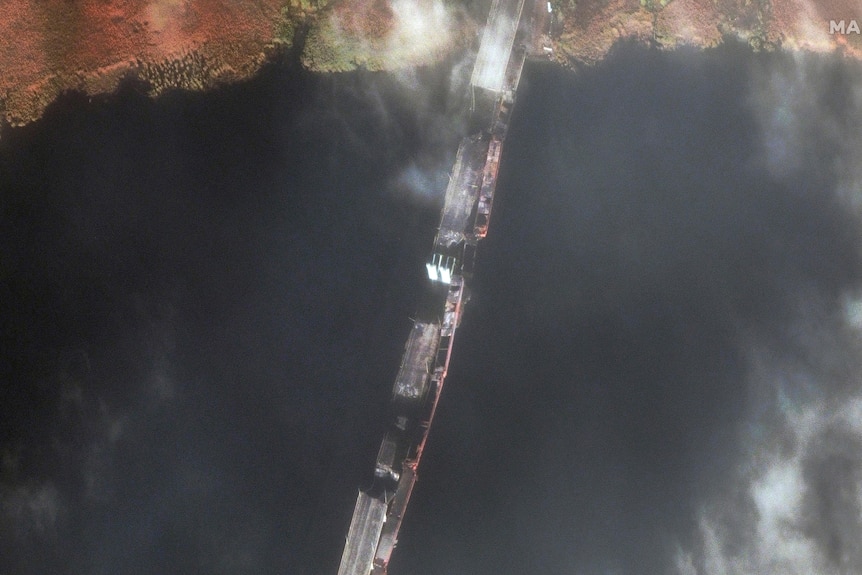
x=590 y=28
x=48 y=46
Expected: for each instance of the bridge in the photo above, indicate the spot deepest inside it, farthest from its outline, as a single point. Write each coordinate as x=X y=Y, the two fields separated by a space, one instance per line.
x=510 y=35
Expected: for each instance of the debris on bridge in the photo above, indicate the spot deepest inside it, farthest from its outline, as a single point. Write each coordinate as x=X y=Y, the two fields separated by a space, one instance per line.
x=464 y=220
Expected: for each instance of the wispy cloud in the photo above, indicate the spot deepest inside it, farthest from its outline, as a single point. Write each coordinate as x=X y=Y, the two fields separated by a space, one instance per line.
x=386 y=35
x=805 y=496
x=800 y=474
x=32 y=510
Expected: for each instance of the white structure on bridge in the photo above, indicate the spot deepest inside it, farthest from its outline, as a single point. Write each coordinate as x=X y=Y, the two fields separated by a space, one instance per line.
x=464 y=221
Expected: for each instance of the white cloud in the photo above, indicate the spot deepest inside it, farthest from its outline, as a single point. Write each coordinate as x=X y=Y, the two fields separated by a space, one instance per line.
x=804 y=484
x=808 y=108
x=34 y=509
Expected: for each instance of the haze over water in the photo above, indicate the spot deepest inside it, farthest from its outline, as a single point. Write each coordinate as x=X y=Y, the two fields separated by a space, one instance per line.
x=205 y=298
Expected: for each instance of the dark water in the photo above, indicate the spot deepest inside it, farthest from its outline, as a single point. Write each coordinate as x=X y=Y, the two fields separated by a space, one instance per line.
x=204 y=300
x=202 y=304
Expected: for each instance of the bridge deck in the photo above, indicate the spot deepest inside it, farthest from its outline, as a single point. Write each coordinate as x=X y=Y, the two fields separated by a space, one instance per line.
x=466 y=212
x=412 y=380
x=365 y=527
x=497 y=40
x=462 y=191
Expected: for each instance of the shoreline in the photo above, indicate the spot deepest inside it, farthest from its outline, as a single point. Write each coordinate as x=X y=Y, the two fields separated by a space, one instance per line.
x=194 y=49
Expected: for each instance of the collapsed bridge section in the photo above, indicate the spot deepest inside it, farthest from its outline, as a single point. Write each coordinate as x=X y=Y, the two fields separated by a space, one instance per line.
x=464 y=221
x=378 y=513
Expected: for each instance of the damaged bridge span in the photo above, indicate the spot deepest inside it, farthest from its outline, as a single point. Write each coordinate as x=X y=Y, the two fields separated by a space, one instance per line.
x=513 y=32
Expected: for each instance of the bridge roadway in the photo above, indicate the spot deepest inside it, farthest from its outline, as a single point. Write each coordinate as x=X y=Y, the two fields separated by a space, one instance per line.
x=377 y=516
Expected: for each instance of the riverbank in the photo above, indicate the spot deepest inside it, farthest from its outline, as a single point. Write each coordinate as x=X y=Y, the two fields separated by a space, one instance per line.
x=50 y=48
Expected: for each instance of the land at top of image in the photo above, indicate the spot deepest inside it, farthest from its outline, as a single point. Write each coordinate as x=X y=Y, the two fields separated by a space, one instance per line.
x=47 y=48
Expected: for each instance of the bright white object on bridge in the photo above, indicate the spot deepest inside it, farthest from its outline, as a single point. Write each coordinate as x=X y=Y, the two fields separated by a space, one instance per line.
x=492 y=60
x=445 y=276
x=440 y=268
x=378 y=513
